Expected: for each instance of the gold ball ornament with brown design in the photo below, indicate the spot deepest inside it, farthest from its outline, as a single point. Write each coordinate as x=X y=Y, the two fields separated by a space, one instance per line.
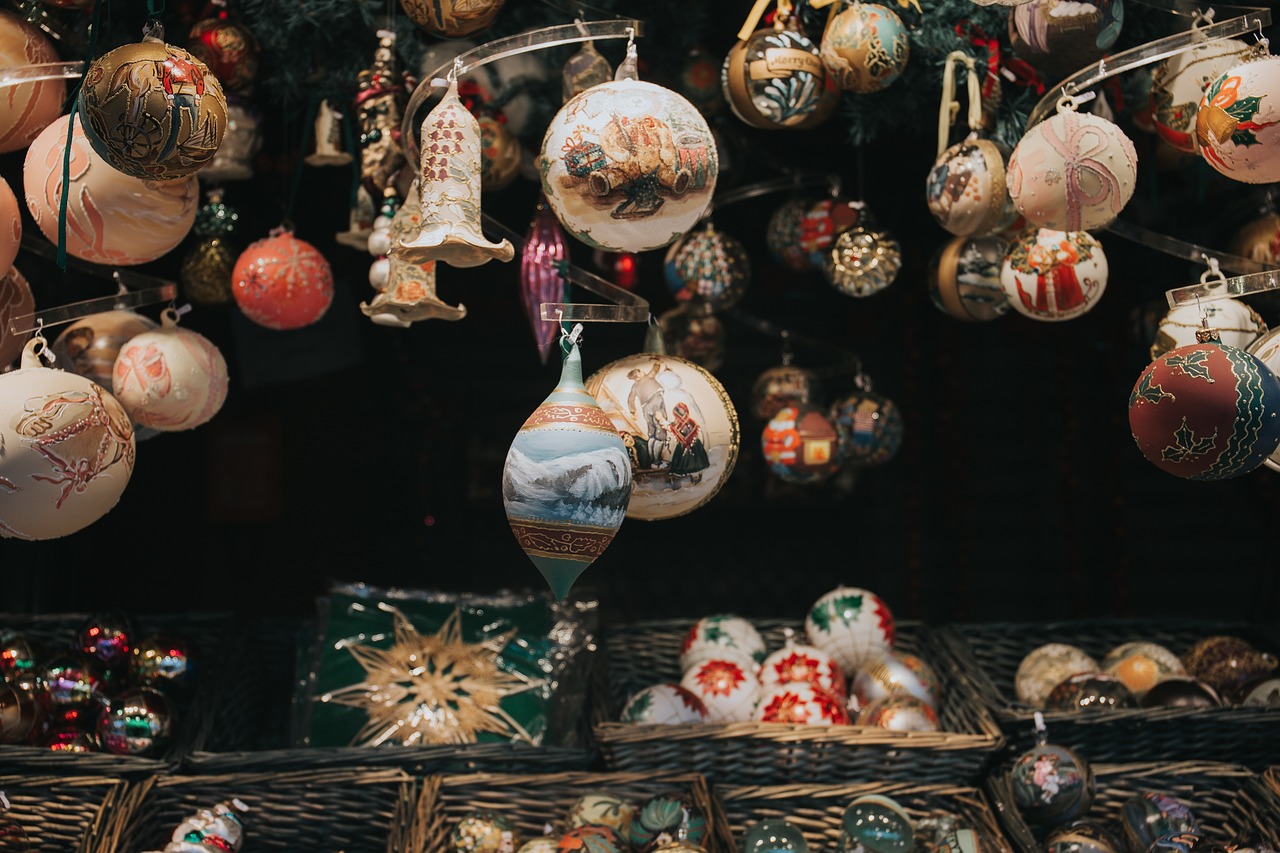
x=152 y=110
x=774 y=79
x=452 y=18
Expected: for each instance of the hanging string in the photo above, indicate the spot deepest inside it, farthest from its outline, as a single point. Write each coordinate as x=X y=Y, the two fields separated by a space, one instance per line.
x=847 y=362
x=74 y=98
x=155 y=9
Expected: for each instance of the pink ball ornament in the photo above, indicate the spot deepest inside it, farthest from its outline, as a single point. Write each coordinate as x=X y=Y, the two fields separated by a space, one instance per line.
x=1206 y=412
x=726 y=688
x=801 y=703
x=1054 y=275
x=27 y=108
x=170 y=379
x=282 y=282
x=1238 y=122
x=852 y=625
x=10 y=227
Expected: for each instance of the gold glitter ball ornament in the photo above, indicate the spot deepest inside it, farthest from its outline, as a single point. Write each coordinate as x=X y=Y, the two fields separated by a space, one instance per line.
x=862 y=262
x=205 y=275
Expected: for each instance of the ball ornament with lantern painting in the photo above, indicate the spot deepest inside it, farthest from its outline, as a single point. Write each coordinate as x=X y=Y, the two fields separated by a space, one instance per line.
x=801 y=445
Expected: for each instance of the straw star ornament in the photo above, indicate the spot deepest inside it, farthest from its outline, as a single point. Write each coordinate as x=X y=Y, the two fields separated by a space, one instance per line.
x=433 y=688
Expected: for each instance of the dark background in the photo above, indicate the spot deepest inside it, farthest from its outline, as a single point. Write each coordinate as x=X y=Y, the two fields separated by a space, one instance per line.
x=354 y=452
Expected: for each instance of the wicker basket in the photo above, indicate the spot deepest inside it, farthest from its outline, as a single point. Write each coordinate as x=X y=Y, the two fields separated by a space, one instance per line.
x=357 y=810
x=1272 y=779
x=209 y=635
x=989 y=655
x=771 y=753
x=1229 y=801
x=533 y=801
x=818 y=810
x=61 y=813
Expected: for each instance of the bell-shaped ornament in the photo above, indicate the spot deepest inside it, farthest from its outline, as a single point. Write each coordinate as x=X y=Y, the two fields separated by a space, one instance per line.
x=449 y=191
x=566 y=483
x=328 y=145
x=410 y=291
x=359 y=221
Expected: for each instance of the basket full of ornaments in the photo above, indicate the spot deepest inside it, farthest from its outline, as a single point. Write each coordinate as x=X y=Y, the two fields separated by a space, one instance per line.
x=849 y=696
x=1124 y=690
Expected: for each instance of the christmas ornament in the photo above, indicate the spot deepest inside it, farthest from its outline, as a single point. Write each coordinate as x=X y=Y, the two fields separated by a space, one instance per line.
x=484 y=831
x=1187 y=842
x=566 y=482
x=708 y=265
x=107 y=637
x=827 y=219
x=139 y=722
x=500 y=153
x=69 y=737
x=10 y=227
x=73 y=686
x=773 y=78
x=381 y=93
x=1151 y=815
x=601 y=810
x=681 y=847
x=205 y=274
x=170 y=379
x=227 y=47
x=112 y=218
x=664 y=704
x=1141 y=665
x=220 y=828
x=18 y=655
x=695 y=333
x=379 y=243
x=900 y=713
x=798 y=664
x=865 y=47
x=1046 y=667
x=585 y=69
x=700 y=84
x=1059 y=37
x=852 y=625
x=26 y=108
x=452 y=18
x=782 y=235
x=162 y=661
x=964 y=278
x=359 y=221
x=628 y=166
x=1238 y=126
x=21 y=712
x=801 y=445
x=774 y=835
x=15 y=301
x=623 y=268
x=877 y=824
x=152 y=110
x=68 y=450
x=590 y=839
x=89 y=346
x=727 y=688
x=801 y=703
x=449 y=191
x=966 y=190
x=1082 y=836
x=896 y=674
x=1178 y=84
x=242 y=141
x=1051 y=785
x=1237 y=324
x=1206 y=411
x=1225 y=662
x=679 y=428
x=665 y=819
x=282 y=282
x=784 y=385
x=1181 y=693
x=862 y=261
x=1089 y=691
x=869 y=425
x=722 y=636
x=1265 y=349
x=542 y=262
x=1073 y=171
x=1258 y=693
x=1054 y=275
x=1258 y=241
x=433 y=688
x=328 y=148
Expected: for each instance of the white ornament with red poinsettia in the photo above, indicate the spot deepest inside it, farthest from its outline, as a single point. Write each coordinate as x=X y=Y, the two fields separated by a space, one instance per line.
x=801 y=703
x=798 y=663
x=726 y=688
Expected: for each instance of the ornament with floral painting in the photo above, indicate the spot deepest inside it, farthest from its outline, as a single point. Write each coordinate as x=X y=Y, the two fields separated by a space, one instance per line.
x=801 y=703
x=726 y=688
x=665 y=819
x=1238 y=122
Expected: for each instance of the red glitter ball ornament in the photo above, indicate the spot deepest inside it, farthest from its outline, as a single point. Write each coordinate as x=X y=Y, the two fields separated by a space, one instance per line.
x=282 y=282
x=228 y=48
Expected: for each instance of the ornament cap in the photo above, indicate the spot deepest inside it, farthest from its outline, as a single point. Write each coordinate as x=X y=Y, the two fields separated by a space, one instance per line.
x=1207 y=334
x=654 y=341
x=35 y=351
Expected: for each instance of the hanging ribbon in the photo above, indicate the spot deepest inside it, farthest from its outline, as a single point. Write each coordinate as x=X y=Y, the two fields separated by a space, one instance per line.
x=979 y=39
x=948 y=109
x=757 y=11
x=74 y=100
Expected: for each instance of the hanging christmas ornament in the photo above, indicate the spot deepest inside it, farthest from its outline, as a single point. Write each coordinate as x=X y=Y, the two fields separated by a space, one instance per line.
x=773 y=78
x=1178 y=84
x=1051 y=784
x=852 y=625
x=877 y=824
x=240 y=144
x=449 y=191
x=722 y=636
x=1142 y=665
x=220 y=828
x=1237 y=324
x=21 y=713
x=1045 y=667
x=966 y=190
x=542 y=262
x=19 y=654
x=170 y=379
x=727 y=688
x=359 y=221
x=1225 y=662
x=1238 y=125
x=1154 y=814
x=964 y=279
x=800 y=445
x=282 y=282
x=380 y=241
x=500 y=153
x=380 y=98
x=112 y=218
x=628 y=166
x=227 y=47
x=862 y=261
x=784 y=385
x=585 y=69
x=1082 y=836
x=26 y=108
x=69 y=737
x=1054 y=275
x=623 y=268
x=138 y=722
x=700 y=83
x=205 y=274
x=678 y=425
x=869 y=425
x=663 y=704
x=15 y=301
x=452 y=18
x=801 y=703
x=1059 y=37
x=1259 y=240
x=782 y=235
x=695 y=333
x=567 y=479
x=865 y=47
x=89 y=345
x=708 y=265
x=152 y=110
x=1073 y=171
x=69 y=450
x=10 y=227
x=484 y=831
x=827 y=219
x=328 y=148
x=73 y=685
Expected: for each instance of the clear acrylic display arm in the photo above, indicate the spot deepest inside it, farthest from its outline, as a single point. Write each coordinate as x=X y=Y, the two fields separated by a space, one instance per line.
x=1182 y=249
x=35 y=73
x=1146 y=54
x=625 y=306
x=1224 y=288
x=806 y=180
x=542 y=39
